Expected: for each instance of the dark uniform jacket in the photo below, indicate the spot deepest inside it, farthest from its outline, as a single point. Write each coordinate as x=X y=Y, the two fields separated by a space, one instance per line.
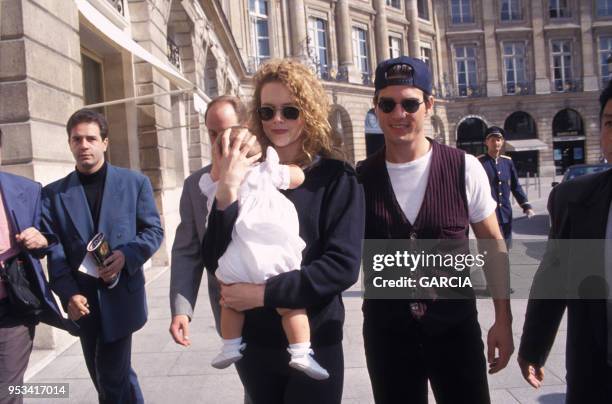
x=504 y=180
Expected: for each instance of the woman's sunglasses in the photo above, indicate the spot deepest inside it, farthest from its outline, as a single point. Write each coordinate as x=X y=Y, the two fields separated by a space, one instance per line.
x=288 y=112
x=410 y=105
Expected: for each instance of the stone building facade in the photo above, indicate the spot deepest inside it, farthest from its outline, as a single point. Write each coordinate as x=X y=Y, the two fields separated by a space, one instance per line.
x=534 y=67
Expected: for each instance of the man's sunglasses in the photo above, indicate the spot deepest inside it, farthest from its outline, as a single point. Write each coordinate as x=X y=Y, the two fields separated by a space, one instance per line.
x=289 y=112
x=410 y=105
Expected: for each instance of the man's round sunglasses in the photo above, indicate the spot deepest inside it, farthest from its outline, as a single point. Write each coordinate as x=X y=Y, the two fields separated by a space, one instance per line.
x=288 y=112
x=410 y=105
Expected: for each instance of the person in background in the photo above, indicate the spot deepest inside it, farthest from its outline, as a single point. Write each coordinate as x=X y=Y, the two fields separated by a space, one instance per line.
x=581 y=233
x=503 y=180
x=22 y=243
x=98 y=197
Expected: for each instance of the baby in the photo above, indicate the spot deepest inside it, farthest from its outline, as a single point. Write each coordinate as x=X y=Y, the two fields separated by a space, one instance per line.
x=265 y=242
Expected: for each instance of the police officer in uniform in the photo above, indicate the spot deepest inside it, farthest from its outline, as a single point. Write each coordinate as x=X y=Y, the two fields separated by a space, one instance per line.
x=503 y=179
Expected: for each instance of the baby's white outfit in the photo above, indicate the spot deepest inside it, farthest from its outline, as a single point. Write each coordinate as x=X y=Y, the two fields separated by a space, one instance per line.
x=266 y=236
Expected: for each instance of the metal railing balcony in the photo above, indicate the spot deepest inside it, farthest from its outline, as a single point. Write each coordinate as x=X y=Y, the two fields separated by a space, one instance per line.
x=446 y=91
x=566 y=86
x=519 y=88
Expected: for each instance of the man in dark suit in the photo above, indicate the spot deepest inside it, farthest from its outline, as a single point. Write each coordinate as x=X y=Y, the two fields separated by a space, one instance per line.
x=21 y=240
x=580 y=210
x=100 y=198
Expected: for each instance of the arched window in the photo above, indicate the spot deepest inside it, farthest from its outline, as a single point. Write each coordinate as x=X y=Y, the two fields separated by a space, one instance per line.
x=470 y=135
x=567 y=122
x=520 y=125
x=568 y=140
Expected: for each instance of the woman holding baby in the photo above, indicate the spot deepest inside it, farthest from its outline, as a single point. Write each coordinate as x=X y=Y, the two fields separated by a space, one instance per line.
x=289 y=114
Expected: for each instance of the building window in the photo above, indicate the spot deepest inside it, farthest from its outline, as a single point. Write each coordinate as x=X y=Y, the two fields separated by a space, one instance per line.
x=605 y=58
x=174 y=53
x=465 y=59
x=461 y=11
x=561 y=51
x=604 y=8
x=511 y=10
x=515 y=68
x=520 y=125
x=423 y=7
x=317 y=37
x=360 y=53
x=258 y=15
x=559 y=9
x=471 y=136
x=426 y=56
x=92 y=81
x=394 y=3
x=395 y=47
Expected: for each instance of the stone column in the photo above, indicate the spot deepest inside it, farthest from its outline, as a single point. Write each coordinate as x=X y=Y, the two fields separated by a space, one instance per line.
x=380 y=31
x=149 y=29
x=414 y=39
x=591 y=82
x=297 y=21
x=542 y=80
x=36 y=101
x=494 y=85
x=346 y=66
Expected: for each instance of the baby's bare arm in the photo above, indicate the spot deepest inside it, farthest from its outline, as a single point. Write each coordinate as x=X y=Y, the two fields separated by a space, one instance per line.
x=296 y=176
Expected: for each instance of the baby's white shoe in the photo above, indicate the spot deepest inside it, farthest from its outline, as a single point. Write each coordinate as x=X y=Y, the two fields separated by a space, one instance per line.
x=304 y=362
x=230 y=353
x=224 y=359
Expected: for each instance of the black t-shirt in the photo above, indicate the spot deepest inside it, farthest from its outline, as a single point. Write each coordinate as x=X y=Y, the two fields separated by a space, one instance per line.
x=93 y=185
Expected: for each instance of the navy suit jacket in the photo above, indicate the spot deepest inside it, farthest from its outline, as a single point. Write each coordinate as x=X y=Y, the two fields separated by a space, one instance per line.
x=130 y=222
x=21 y=198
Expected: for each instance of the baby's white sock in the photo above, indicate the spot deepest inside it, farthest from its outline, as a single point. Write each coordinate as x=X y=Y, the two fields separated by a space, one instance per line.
x=299 y=349
x=232 y=344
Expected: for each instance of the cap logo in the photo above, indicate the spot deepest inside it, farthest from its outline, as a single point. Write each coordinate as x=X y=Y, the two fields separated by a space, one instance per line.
x=402 y=73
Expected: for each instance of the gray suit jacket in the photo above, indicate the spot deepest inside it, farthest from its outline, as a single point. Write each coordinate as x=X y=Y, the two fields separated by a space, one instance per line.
x=187 y=266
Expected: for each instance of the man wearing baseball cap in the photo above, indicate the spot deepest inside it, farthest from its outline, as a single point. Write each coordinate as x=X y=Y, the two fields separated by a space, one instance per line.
x=503 y=180
x=416 y=188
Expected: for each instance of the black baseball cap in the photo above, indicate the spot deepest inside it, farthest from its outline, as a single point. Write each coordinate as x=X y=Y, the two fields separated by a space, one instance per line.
x=419 y=77
x=494 y=131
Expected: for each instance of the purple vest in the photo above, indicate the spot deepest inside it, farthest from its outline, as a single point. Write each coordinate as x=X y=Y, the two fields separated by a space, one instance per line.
x=443 y=215
x=444 y=212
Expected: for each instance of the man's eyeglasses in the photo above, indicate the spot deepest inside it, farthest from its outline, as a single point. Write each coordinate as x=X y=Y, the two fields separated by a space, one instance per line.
x=410 y=105
x=288 y=112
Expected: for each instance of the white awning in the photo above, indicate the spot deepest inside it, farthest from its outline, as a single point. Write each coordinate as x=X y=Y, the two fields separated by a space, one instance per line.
x=113 y=33
x=525 y=145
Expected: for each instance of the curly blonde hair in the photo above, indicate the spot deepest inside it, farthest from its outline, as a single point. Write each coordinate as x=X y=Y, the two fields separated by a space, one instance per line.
x=310 y=98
